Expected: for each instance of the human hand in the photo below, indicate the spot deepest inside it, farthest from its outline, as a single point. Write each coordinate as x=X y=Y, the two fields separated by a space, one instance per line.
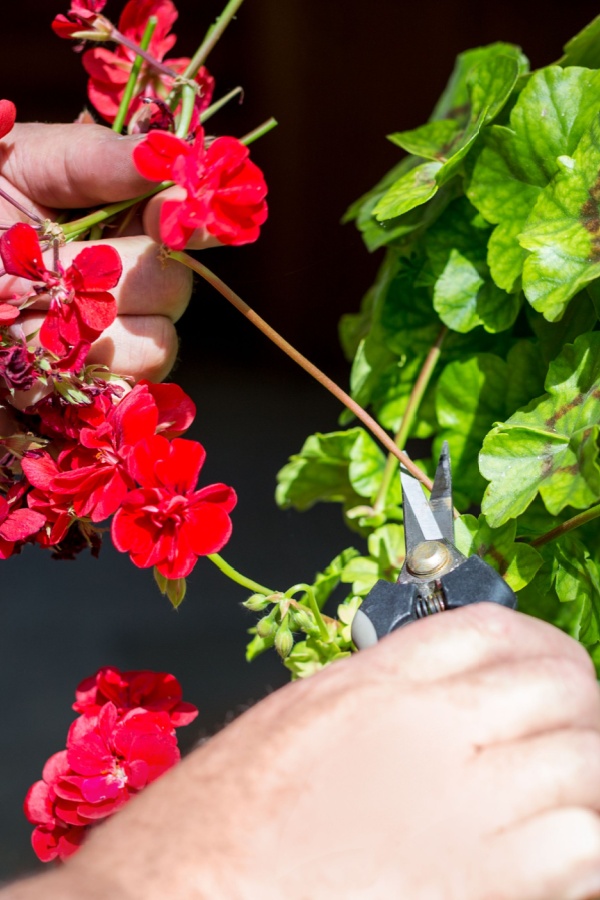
x=458 y=759
x=49 y=168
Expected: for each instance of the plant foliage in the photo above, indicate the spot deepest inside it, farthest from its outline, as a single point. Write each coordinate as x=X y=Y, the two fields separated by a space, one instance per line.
x=488 y=293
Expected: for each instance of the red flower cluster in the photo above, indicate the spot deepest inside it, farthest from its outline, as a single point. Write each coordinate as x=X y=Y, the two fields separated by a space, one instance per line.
x=109 y=70
x=225 y=189
x=123 y=740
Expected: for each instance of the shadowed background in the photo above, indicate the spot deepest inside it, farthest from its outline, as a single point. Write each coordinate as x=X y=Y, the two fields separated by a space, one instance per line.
x=338 y=76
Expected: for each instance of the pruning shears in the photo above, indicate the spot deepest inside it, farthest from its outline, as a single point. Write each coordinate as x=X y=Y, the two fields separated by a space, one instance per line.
x=435 y=575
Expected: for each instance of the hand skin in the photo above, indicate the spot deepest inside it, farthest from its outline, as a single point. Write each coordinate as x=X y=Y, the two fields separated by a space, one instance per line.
x=50 y=168
x=459 y=759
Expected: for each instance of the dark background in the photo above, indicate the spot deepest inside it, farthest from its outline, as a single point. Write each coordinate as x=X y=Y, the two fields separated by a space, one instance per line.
x=338 y=76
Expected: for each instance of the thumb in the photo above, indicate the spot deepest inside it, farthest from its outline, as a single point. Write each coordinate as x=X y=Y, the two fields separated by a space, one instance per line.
x=74 y=165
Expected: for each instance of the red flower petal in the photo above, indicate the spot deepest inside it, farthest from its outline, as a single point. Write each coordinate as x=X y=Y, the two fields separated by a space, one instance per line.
x=96 y=268
x=8 y=114
x=21 y=252
x=155 y=156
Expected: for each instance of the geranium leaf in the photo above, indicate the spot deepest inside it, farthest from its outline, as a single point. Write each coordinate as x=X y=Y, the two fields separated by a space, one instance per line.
x=470 y=398
x=518 y=162
x=550 y=446
x=516 y=562
x=563 y=230
x=584 y=48
x=489 y=83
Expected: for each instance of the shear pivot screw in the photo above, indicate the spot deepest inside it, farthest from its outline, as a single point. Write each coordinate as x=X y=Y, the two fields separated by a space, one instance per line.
x=428 y=558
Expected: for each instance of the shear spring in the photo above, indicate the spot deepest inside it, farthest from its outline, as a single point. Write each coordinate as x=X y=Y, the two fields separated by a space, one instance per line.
x=427 y=606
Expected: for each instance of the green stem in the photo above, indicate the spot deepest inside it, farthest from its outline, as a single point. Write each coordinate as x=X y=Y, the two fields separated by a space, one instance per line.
x=414 y=402
x=324 y=380
x=259 y=132
x=219 y=104
x=576 y=522
x=238 y=577
x=78 y=227
x=117 y=125
x=211 y=37
x=314 y=606
x=188 y=100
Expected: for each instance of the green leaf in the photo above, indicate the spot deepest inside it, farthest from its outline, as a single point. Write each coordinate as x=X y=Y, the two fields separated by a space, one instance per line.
x=584 y=48
x=361 y=572
x=551 y=445
x=516 y=562
x=580 y=317
x=412 y=189
x=563 y=230
x=430 y=141
x=325 y=582
x=329 y=468
x=517 y=162
x=470 y=398
x=489 y=85
x=463 y=295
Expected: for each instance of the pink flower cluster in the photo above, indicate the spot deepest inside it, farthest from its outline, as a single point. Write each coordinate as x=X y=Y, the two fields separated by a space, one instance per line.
x=123 y=740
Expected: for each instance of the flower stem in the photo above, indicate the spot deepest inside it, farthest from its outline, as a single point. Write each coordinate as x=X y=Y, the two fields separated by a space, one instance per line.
x=188 y=100
x=219 y=104
x=324 y=380
x=26 y=212
x=238 y=577
x=117 y=125
x=211 y=37
x=412 y=407
x=140 y=51
x=314 y=606
x=78 y=227
x=259 y=132
x=576 y=522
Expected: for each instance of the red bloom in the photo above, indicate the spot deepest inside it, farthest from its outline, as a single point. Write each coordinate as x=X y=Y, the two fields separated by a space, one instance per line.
x=51 y=838
x=154 y=691
x=94 y=474
x=16 y=524
x=55 y=508
x=82 y=20
x=81 y=306
x=110 y=759
x=167 y=523
x=225 y=189
x=8 y=114
x=109 y=70
x=16 y=367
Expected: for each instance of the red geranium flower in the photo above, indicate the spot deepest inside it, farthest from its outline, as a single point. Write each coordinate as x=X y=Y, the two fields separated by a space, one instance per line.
x=167 y=523
x=109 y=70
x=110 y=759
x=94 y=473
x=8 y=114
x=155 y=691
x=16 y=523
x=225 y=190
x=81 y=306
x=52 y=838
x=83 y=20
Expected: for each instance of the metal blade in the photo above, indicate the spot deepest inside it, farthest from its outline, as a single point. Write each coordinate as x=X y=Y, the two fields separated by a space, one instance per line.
x=419 y=522
x=441 y=495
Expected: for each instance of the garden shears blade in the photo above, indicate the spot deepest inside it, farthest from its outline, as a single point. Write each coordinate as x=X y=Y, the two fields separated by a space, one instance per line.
x=435 y=575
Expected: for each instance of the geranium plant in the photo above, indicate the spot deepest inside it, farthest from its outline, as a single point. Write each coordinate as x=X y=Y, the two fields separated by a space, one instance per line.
x=480 y=330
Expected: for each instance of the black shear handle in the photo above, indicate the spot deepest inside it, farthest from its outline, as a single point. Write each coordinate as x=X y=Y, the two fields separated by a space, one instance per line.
x=390 y=606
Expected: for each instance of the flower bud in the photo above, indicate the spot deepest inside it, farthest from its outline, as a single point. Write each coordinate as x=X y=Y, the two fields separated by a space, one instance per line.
x=303 y=620
x=284 y=641
x=256 y=603
x=267 y=626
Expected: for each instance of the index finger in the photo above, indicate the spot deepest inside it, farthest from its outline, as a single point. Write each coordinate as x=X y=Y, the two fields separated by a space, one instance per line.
x=467 y=639
x=72 y=165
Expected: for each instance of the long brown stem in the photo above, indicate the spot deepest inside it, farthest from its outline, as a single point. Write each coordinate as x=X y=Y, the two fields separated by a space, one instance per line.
x=367 y=420
x=576 y=522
